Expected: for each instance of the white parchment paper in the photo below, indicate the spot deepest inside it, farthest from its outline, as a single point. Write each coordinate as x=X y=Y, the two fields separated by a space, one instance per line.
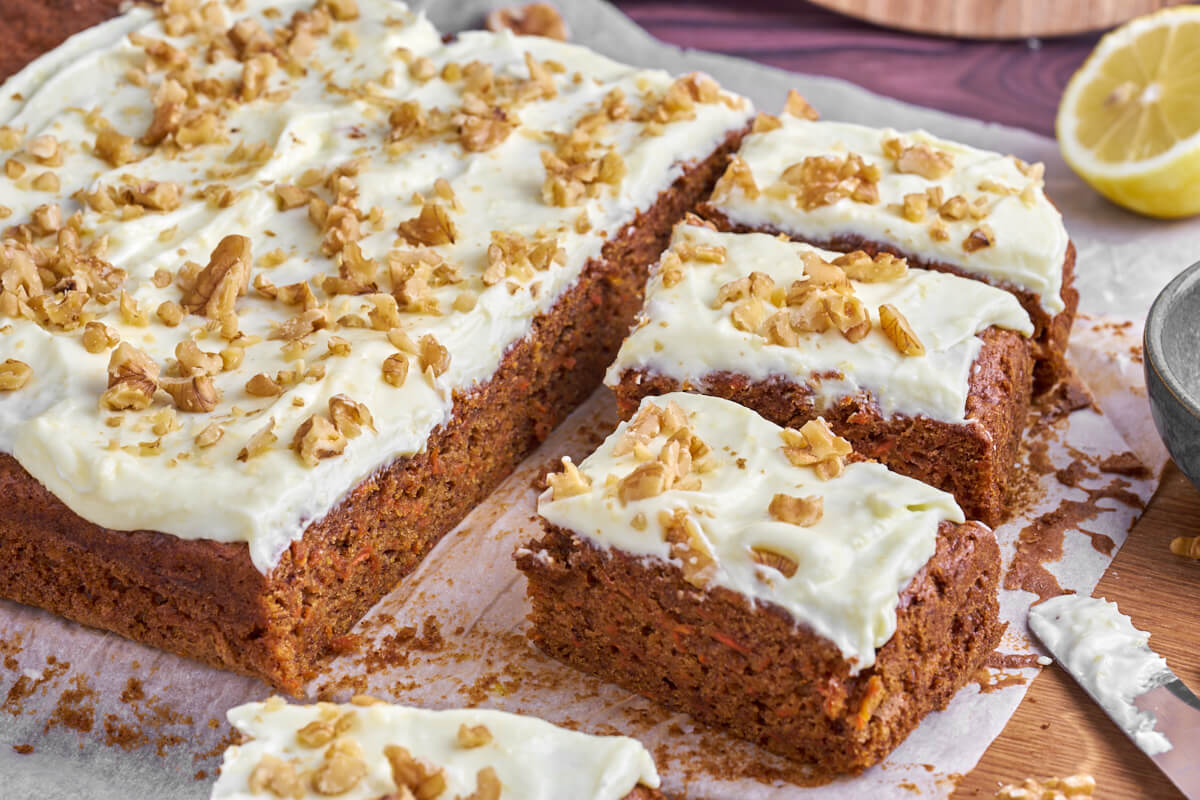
x=107 y=718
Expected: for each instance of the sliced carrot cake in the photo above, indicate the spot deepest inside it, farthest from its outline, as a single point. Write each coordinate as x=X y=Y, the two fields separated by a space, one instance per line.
x=925 y=371
x=750 y=576
x=939 y=204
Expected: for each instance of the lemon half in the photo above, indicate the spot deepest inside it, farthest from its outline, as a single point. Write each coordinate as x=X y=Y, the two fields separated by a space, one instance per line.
x=1129 y=120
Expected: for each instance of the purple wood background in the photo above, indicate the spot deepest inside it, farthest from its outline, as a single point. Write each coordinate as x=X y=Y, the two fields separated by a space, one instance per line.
x=1015 y=82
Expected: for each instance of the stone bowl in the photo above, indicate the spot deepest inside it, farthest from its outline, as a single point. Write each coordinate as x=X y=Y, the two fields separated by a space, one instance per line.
x=1172 y=361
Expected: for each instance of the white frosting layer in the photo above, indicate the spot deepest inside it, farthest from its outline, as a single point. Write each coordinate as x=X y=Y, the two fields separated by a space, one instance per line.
x=1030 y=243
x=533 y=759
x=681 y=335
x=53 y=426
x=1108 y=656
x=877 y=529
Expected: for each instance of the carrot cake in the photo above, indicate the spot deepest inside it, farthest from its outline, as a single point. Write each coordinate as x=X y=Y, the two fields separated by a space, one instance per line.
x=288 y=288
x=941 y=205
x=925 y=371
x=368 y=749
x=750 y=576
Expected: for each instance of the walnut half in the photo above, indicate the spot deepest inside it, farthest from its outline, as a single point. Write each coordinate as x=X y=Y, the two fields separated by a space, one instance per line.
x=132 y=379
x=225 y=279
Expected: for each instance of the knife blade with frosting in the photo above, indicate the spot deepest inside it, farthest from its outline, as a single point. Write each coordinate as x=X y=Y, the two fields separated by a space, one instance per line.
x=1113 y=662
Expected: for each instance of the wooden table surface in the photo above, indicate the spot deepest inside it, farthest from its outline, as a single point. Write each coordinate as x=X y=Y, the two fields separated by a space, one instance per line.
x=1057 y=730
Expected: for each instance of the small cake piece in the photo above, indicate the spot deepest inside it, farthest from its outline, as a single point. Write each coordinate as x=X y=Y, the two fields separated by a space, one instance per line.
x=368 y=749
x=941 y=205
x=747 y=575
x=927 y=372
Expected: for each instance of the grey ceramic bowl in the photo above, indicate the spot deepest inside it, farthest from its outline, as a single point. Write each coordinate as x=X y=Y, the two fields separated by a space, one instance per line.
x=1172 y=360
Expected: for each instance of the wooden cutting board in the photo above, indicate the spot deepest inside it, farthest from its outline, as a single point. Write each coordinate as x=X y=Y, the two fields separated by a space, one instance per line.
x=997 y=19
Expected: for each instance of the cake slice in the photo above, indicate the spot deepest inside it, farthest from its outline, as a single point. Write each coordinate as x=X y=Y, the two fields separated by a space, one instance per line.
x=746 y=574
x=368 y=749
x=296 y=292
x=927 y=372
x=939 y=204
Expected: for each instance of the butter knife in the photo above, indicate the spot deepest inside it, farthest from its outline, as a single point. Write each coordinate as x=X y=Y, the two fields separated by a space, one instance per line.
x=1112 y=660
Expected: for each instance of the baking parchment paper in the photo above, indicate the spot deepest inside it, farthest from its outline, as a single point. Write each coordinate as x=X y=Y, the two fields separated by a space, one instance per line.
x=89 y=715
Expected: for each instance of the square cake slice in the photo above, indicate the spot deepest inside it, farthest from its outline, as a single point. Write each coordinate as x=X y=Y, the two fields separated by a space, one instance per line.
x=746 y=574
x=927 y=372
x=296 y=292
x=939 y=204
x=371 y=750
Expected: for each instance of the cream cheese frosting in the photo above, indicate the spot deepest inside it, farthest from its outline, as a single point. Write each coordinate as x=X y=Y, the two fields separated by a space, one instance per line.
x=532 y=759
x=685 y=334
x=1030 y=241
x=1109 y=656
x=143 y=469
x=875 y=531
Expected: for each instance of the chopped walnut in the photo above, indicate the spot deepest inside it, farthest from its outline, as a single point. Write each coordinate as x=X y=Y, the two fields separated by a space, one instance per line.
x=300 y=325
x=318 y=438
x=979 y=238
x=749 y=315
x=824 y=180
x=14 y=374
x=395 y=369
x=263 y=385
x=218 y=285
x=210 y=435
x=260 y=442
x=98 y=337
x=194 y=361
x=196 y=395
x=798 y=107
x=349 y=416
x=815 y=445
x=921 y=159
x=1049 y=788
x=647 y=480
x=737 y=175
x=578 y=169
x=898 y=330
x=775 y=560
x=534 y=19
x=288 y=196
x=423 y=779
x=916 y=205
x=431 y=227
x=432 y=355
x=132 y=379
x=170 y=313
x=317 y=733
x=487 y=785
x=955 y=208
x=43 y=148
x=114 y=148
x=802 y=511
x=473 y=736
x=341 y=770
x=688 y=545
x=569 y=482
x=861 y=266
x=274 y=775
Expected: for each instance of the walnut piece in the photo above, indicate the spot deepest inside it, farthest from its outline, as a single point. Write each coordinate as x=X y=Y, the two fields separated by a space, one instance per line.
x=473 y=736
x=14 y=374
x=688 y=545
x=317 y=733
x=487 y=785
x=921 y=159
x=132 y=379
x=896 y=328
x=815 y=445
x=423 y=779
x=861 y=266
x=1186 y=546
x=430 y=228
x=274 y=775
x=824 y=180
x=802 y=511
x=798 y=107
x=196 y=395
x=225 y=279
x=210 y=435
x=98 y=337
x=341 y=770
x=979 y=238
x=774 y=559
x=263 y=385
x=318 y=438
x=569 y=482
x=395 y=369
x=534 y=19
x=737 y=175
x=349 y=416
x=432 y=355
x=260 y=442
x=1049 y=788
